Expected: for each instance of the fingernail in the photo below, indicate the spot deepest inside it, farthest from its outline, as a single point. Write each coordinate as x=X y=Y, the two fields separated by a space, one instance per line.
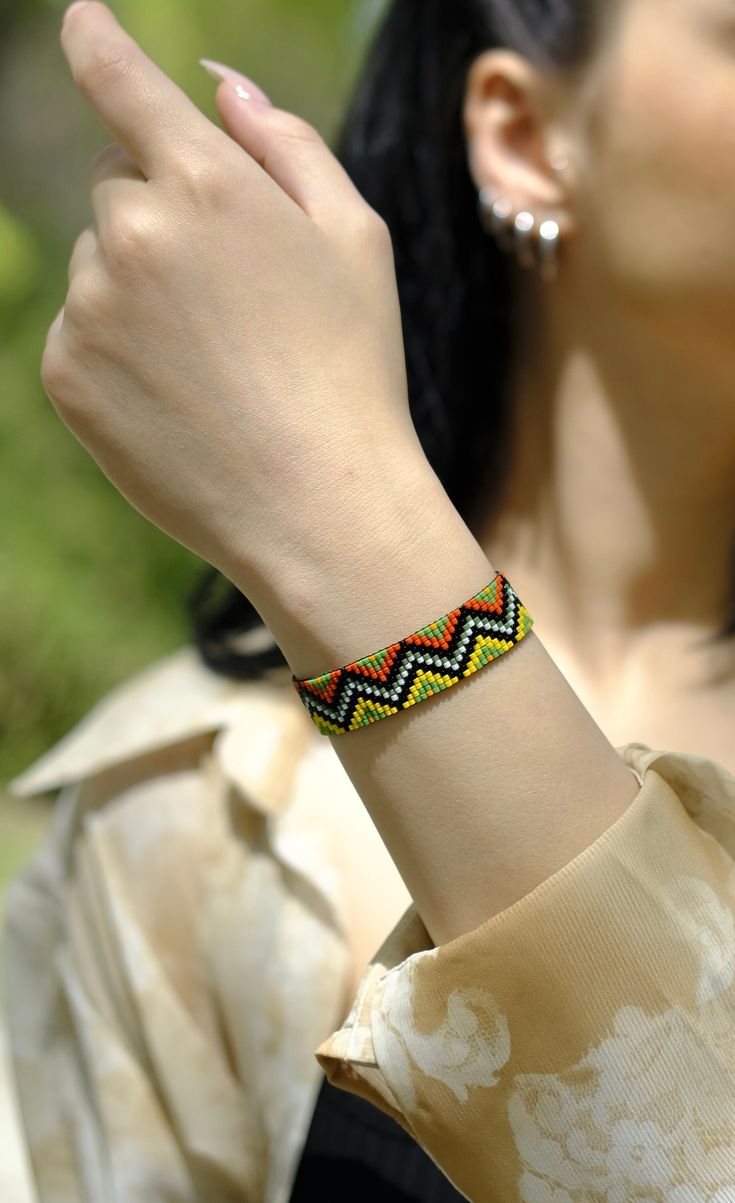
x=70 y=9
x=244 y=87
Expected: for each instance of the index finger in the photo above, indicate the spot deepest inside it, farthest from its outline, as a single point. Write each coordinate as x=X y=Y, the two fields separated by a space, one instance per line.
x=144 y=110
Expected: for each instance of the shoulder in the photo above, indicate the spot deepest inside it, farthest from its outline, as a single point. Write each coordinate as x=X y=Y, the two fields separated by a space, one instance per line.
x=166 y=703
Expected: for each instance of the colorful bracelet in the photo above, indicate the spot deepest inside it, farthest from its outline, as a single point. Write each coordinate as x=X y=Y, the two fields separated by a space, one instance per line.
x=410 y=671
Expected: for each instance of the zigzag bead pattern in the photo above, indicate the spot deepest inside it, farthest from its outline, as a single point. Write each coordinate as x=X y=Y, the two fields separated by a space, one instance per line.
x=438 y=656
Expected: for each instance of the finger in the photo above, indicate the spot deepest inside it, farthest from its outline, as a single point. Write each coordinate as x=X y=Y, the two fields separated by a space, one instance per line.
x=84 y=248
x=55 y=326
x=114 y=176
x=112 y=158
x=136 y=101
x=292 y=152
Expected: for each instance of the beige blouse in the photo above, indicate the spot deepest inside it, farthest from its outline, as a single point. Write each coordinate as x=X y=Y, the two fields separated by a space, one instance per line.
x=176 y=960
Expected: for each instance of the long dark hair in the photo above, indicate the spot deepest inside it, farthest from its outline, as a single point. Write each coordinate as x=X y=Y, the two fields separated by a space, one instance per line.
x=402 y=143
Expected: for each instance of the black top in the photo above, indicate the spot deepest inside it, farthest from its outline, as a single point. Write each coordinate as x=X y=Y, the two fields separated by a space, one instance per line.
x=353 y=1146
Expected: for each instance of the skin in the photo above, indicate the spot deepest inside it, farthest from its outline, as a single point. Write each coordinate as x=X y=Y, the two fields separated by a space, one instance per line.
x=622 y=368
x=234 y=289
x=238 y=289
x=618 y=514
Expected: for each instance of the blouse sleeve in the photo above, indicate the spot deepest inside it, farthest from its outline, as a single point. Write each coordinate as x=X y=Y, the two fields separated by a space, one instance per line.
x=580 y=1045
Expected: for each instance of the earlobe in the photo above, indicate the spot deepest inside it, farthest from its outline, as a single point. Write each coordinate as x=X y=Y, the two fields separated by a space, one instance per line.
x=535 y=243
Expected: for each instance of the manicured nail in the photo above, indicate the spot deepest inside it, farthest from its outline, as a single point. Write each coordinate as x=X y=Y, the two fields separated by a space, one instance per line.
x=244 y=87
x=77 y=4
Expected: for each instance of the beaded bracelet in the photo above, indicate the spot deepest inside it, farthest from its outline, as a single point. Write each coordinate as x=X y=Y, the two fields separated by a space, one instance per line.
x=424 y=663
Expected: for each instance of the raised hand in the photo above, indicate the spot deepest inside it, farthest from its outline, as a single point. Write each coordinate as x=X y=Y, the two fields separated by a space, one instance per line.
x=230 y=348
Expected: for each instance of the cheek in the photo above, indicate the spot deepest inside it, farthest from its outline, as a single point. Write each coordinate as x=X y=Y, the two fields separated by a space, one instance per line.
x=658 y=198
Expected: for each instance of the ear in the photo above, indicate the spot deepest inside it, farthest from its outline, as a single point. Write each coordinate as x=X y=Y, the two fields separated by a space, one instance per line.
x=515 y=141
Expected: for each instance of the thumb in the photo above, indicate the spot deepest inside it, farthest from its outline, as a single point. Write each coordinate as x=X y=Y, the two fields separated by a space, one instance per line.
x=287 y=147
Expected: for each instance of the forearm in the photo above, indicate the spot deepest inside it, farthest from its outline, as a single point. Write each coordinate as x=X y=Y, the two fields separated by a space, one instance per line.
x=488 y=788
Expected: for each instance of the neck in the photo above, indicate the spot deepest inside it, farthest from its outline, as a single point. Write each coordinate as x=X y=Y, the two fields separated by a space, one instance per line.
x=616 y=522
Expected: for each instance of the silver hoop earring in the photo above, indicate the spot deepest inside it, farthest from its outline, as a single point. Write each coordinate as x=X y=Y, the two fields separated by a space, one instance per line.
x=515 y=233
x=523 y=234
x=548 y=250
x=495 y=215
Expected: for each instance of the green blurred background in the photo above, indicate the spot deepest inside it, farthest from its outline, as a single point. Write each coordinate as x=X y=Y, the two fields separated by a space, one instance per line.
x=90 y=591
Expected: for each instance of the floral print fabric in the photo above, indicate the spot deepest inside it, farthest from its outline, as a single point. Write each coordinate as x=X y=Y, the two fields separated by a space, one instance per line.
x=176 y=963
x=580 y=1045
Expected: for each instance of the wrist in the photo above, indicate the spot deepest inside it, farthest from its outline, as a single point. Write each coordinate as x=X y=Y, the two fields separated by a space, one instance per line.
x=377 y=567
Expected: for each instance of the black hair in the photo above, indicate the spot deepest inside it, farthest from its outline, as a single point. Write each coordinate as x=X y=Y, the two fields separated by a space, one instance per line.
x=402 y=143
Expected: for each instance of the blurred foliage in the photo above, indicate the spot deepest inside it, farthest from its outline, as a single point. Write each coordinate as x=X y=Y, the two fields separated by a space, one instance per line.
x=90 y=591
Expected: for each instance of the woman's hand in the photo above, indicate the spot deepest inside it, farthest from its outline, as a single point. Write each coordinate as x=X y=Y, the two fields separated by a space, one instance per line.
x=230 y=349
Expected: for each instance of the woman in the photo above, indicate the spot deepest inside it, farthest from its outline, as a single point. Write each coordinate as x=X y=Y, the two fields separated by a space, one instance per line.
x=549 y=1012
